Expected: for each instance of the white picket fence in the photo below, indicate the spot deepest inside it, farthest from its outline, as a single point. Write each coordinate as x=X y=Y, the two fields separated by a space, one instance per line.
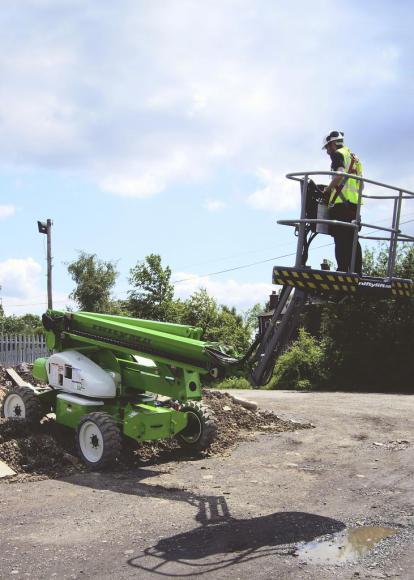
x=18 y=348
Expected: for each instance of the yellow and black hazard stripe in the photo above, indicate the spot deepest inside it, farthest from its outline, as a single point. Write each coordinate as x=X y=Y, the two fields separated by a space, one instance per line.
x=401 y=287
x=316 y=280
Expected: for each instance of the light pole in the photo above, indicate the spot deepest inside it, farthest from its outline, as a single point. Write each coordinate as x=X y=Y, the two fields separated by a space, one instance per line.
x=46 y=228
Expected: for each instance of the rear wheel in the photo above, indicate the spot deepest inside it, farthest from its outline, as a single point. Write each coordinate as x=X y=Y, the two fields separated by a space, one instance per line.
x=22 y=403
x=98 y=440
x=201 y=429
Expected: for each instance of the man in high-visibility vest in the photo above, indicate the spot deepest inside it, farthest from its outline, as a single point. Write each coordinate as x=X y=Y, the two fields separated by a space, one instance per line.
x=342 y=196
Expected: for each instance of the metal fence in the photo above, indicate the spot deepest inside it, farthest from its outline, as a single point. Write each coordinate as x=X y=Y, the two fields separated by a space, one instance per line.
x=15 y=349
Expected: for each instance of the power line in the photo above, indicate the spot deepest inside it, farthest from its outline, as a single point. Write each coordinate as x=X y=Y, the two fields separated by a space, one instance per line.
x=253 y=251
x=235 y=268
x=243 y=266
x=44 y=303
x=221 y=258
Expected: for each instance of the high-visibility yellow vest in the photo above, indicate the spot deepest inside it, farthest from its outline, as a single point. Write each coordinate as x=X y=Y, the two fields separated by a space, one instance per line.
x=349 y=191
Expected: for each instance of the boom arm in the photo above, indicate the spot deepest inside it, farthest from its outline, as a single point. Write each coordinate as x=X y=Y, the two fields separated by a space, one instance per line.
x=263 y=354
x=175 y=345
x=160 y=341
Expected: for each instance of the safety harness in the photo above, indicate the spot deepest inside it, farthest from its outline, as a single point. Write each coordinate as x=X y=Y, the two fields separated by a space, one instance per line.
x=338 y=192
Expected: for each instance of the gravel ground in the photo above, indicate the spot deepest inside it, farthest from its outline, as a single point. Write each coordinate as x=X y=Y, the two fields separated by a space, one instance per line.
x=244 y=513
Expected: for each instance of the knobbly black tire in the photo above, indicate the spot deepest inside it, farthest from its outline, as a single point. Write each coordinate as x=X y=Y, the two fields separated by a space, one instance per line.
x=110 y=438
x=21 y=403
x=201 y=430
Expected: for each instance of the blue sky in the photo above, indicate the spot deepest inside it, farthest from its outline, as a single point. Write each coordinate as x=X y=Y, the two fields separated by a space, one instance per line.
x=167 y=126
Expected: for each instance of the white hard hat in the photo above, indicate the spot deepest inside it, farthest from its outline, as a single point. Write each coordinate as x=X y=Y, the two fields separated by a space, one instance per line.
x=333 y=136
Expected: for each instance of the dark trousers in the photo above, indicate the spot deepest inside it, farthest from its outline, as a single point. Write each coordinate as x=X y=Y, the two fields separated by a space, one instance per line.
x=343 y=236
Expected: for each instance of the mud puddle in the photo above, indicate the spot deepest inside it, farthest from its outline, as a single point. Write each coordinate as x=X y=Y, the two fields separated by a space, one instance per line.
x=345 y=546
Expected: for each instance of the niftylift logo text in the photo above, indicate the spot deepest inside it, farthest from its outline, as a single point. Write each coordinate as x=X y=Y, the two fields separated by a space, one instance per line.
x=112 y=332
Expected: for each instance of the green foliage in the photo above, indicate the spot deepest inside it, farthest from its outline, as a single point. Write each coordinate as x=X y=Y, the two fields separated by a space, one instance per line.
x=219 y=323
x=152 y=292
x=176 y=311
x=304 y=385
x=251 y=316
x=300 y=367
x=375 y=261
x=118 y=308
x=201 y=310
x=26 y=324
x=368 y=343
x=152 y=297
x=230 y=330
x=232 y=383
x=94 y=280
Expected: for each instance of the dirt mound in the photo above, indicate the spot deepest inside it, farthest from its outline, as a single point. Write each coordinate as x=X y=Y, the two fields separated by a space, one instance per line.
x=35 y=452
x=234 y=424
x=49 y=450
x=2 y=383
x=38 y=454
x=25 y=372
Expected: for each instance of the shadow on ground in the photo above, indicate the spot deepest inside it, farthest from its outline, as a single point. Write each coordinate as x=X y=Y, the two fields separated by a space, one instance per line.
x=219 y=540
x=216 y=545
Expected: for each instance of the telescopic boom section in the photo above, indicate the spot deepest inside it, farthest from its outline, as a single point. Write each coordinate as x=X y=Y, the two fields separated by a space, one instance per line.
x=159 y=341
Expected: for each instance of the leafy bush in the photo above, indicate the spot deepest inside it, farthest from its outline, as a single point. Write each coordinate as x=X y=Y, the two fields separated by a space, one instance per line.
x=367 y=343
x=304 y=385
x=302 y=366
x=233 y=383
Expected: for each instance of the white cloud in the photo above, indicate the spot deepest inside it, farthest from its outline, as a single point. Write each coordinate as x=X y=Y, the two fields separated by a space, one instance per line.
x=147 y=179
x=19 y=277
x=36 y=304
x=214 y=205
x=277 y=193
x=142 y=186
x=7 y=211
x=23 y=288
x=152 y=94
x=242 y=295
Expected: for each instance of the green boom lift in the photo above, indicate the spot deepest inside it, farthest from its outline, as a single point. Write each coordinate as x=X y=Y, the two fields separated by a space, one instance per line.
x=113 y=377
x=103 y=375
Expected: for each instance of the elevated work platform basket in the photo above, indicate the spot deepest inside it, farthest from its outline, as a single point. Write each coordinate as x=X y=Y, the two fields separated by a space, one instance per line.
x=307 y=227
x=328 y=282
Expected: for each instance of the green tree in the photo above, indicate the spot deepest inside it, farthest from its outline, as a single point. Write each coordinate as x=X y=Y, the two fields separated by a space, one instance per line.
x=231 y=330
x=94 y=280
x=152 y=293
x=368 y=342
x=201 y=310
x=251 y=317
x=152 y=297
x=26 y=324
x=219 y=323
x=376 y=261
x=176 y=311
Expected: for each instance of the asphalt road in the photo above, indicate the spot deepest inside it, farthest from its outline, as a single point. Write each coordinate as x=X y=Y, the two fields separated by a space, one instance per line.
x=239 y=516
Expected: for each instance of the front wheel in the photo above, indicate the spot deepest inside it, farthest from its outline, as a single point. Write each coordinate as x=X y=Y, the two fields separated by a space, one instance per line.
x=98 y=440
x=22 y=403
x=201 y=429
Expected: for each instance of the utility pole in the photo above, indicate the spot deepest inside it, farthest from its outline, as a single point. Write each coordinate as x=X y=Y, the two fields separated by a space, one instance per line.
x=46 y=228
x=1 y=314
